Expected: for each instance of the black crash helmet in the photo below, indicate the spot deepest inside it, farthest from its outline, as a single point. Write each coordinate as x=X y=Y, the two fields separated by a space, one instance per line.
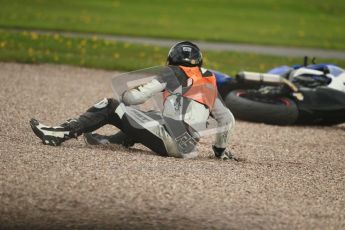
x=186 y=54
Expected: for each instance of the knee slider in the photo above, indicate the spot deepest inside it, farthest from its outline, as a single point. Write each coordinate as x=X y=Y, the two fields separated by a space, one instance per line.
x=106 y=104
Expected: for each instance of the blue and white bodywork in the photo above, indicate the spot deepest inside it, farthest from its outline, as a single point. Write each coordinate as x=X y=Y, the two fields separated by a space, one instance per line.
x=329 y=72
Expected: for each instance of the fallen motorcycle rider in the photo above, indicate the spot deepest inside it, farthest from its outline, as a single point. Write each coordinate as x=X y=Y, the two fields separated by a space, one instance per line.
x=188 y=96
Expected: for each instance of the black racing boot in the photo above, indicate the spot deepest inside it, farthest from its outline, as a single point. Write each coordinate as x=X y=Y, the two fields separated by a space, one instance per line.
x=55 y=135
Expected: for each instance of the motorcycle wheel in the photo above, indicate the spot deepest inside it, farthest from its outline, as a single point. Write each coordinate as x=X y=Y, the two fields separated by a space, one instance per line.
x=276 y=111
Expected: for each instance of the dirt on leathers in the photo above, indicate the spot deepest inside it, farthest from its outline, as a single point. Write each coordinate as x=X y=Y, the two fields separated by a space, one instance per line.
x=291 y=177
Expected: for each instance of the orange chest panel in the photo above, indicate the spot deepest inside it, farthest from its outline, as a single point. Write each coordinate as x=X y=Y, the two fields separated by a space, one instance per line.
x=202 y=90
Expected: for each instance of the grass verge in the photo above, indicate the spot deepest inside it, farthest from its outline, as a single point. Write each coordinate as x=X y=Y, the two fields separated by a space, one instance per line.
x=30 y=47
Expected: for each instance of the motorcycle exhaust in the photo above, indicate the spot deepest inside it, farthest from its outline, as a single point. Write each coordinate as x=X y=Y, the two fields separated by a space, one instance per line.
x=261 y=78
x=268 y=79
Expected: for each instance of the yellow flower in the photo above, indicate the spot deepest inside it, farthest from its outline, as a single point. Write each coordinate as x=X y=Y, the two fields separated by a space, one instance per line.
x=69 y=44
x=126 y=45
x=31 y=52
x=34 y=36
x=262 y=66
x=3 y=44
x=56 y=36
x=116 y=55
x=82 y=42
x=216 y=65
x=56 y=57
x=94 y=38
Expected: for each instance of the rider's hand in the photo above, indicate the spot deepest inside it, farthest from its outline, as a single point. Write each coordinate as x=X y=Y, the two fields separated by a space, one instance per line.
x=223 y=154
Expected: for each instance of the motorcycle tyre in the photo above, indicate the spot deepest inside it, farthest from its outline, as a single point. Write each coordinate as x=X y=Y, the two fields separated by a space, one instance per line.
x=284 y=112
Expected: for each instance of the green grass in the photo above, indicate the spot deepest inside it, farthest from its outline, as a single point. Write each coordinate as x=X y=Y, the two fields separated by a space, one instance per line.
x=29 y=47
x=301 y=23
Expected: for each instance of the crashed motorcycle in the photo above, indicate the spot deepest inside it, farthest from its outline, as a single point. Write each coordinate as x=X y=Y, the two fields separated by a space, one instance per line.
x=287 y=95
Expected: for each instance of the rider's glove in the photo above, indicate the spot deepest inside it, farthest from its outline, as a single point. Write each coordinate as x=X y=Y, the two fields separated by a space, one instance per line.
x=222 y=154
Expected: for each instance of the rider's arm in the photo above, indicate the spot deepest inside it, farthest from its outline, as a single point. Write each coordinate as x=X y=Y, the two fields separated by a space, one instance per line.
x=226 y=122
x=143 y=92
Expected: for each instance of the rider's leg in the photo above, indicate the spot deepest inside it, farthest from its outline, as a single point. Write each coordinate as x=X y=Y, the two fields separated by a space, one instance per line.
x=105 y=112
x=119 y=138
x=95 y=117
